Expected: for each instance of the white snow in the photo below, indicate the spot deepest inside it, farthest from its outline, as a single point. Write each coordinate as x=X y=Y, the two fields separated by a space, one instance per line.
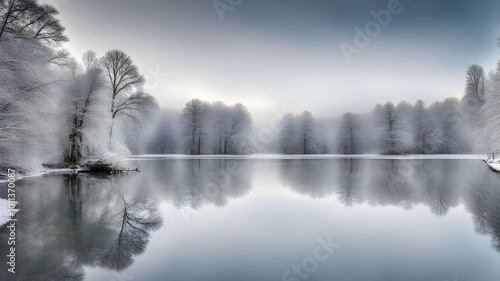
x=494 y=164
x=4 y=212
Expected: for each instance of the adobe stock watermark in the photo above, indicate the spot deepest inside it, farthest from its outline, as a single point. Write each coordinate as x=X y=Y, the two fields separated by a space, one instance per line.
x=223 y=6
x=155 y=77
x=309 y=265
x=12 y=223
x=363 y=37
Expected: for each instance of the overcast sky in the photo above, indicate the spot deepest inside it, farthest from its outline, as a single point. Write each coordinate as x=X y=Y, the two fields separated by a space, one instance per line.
x=286 y=53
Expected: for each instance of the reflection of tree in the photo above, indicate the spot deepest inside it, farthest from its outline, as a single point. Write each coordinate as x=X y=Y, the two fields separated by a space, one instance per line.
x=483 y=201
x=392 y=183
x=132 y=237
x=442 y=190
x=308 y=177
x=404 y=183
x=69 y=222
x=211 y=182
x=348 y=188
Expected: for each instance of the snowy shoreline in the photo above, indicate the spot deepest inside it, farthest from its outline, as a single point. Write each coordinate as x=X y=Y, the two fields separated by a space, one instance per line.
x=494 y=164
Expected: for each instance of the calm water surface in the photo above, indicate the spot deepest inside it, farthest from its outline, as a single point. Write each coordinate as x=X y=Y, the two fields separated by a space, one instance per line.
x=236 y=219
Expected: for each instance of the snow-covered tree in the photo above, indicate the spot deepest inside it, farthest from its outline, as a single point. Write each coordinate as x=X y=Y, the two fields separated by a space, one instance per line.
x=238 y=141
x=390 y=136
x=221 y=123
x=490 y=128
x=301 y=135
x=474 y=97
x=423 y=129
x=195 y=131
x=83 y=103
x=404 y=126
x=164 y=139
x=29 y=89
x=349 y=140
x=449 y=127
x=287 y=134
x=216 y=128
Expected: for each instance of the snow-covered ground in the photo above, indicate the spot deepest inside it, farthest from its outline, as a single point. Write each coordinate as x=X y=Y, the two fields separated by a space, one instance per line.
x=4 y=212
x=494 y=164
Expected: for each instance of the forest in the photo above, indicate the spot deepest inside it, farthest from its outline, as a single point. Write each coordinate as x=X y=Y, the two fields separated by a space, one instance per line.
x=55 y=108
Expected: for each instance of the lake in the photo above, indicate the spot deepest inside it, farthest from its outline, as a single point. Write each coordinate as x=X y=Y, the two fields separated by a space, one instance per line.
x=264 y=218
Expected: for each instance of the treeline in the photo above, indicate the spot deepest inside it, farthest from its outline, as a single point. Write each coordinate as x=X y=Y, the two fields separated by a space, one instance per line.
x=452 y=126
x=388 y=129
x=203 y=128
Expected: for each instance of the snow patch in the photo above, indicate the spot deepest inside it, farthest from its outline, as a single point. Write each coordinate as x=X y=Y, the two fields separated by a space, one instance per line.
x=494 y=164
x=4 y=211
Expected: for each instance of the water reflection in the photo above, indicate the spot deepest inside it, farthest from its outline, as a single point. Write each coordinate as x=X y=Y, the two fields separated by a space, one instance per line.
x=194 y=183
x=307 y=177
x=68 y=222
x=71 y=222
x=350 y=180
x=439 y=184
x=484 y=204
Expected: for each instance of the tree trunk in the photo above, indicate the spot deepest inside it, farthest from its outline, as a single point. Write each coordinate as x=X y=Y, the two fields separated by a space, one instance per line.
x=75 y=150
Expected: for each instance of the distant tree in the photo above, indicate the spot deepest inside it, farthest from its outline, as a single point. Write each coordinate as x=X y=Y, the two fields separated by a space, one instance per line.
x=404 y=126
x=301 y=135
x=238 y=141
x=475 y=82
x=126 y=82
x=164 y=138
x=455 y=137
x=221 y=123
x=474 y=97
x=194 y=127
x=349 y=135
x=385 y=117
x=423 y=128
x=90 y=60
x=288 y=128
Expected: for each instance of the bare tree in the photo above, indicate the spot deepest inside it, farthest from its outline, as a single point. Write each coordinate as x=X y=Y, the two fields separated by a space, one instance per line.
x=27 y=19
x=124 y=79
x=90 y=60
x=475 y=82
